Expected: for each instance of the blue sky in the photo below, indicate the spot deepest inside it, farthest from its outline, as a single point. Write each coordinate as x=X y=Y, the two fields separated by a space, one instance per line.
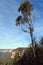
x=12 y=36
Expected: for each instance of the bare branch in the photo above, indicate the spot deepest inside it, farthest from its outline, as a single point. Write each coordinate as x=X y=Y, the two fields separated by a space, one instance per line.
x=24 y=30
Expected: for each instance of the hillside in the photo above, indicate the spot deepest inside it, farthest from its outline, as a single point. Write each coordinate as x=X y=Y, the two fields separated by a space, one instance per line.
x=10 y=53
x=11 y=56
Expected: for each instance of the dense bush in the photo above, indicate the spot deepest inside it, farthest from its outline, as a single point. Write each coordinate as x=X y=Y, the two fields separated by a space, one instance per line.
x=29 y=59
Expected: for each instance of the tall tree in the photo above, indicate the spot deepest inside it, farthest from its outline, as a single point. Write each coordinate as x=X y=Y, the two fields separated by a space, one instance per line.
x=25 y=21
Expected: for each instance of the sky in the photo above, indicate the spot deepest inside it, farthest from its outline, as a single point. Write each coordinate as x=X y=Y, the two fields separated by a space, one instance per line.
x=12 y=37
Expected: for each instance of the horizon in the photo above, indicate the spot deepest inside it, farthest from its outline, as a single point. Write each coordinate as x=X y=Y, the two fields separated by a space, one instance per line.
x=12 y=37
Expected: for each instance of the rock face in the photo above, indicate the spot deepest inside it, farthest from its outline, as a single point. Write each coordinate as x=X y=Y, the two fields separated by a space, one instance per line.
x=18 y=52
x=11 y=53
x=8 y=55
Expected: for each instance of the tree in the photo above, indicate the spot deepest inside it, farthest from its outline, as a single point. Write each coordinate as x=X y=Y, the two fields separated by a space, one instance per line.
x=41 y=42
x=25 y=21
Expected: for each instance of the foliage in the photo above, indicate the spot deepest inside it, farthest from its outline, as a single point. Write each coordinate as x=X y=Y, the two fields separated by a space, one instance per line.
x=41 y=42
x=28 y=58
x=26 y=7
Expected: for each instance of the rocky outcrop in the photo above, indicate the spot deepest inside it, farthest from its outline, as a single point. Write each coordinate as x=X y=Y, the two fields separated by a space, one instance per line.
x=11 y=53
x=18 y=52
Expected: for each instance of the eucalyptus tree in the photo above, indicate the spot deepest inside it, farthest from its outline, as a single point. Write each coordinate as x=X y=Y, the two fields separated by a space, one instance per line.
x=24 y=20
